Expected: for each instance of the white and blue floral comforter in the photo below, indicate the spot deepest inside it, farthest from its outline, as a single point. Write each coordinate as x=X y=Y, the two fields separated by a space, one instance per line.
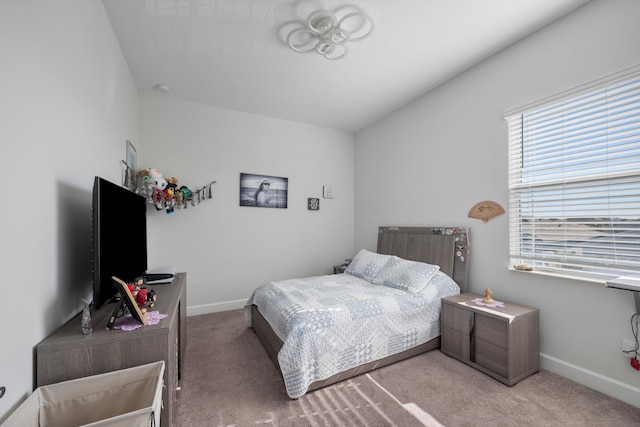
x=332 y=323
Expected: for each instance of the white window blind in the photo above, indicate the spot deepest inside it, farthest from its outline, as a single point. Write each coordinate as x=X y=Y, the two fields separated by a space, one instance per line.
x=574 y=181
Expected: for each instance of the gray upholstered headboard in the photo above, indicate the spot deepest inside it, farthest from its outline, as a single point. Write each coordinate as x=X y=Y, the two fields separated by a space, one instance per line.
x=447 y=247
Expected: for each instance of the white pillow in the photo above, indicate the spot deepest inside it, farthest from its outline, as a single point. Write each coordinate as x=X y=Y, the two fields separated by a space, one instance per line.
x=410 y=276
x=366 y=265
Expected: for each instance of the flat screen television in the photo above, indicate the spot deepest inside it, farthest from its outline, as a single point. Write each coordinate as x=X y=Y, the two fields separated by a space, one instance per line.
x=119 y=233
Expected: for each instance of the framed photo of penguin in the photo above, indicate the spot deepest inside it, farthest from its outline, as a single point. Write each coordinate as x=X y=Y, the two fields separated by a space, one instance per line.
x=263 y=191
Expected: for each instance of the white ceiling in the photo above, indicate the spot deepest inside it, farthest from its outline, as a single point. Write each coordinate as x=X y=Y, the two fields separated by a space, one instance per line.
x=233 y=53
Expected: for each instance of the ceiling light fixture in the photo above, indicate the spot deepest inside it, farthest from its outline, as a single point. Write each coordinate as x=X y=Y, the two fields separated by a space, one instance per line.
x=328 y=36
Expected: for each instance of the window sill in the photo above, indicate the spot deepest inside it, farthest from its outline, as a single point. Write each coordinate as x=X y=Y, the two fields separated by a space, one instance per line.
x=598 y=280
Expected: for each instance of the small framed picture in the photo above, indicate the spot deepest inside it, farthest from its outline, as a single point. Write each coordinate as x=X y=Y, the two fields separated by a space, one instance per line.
x=327 y=191
x=313 y=204
x=129 y=300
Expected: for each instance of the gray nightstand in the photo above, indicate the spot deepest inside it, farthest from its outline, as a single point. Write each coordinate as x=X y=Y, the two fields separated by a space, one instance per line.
x=502 y=342
x=337 y=269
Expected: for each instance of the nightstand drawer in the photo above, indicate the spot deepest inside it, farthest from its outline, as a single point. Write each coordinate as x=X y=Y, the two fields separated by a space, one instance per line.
x=492 y=330
x=457 y=344
x=492 y=357
x=457 y=319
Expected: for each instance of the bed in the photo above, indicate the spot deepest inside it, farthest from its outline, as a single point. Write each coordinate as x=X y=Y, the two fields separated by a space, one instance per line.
x=384 y=308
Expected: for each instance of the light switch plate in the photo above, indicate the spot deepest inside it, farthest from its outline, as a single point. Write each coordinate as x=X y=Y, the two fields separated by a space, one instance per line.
x=327 y=191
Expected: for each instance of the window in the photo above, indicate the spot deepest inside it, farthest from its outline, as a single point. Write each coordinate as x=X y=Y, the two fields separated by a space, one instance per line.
x=574 y=180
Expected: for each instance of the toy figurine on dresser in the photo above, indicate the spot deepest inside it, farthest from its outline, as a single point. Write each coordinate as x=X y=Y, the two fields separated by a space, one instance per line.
x=86 y=317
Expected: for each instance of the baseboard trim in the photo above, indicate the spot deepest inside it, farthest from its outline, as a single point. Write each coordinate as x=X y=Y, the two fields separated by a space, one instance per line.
x=609 y=386
x=196 y=310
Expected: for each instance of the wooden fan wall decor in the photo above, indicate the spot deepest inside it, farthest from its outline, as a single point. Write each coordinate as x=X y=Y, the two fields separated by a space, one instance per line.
x=485 y=210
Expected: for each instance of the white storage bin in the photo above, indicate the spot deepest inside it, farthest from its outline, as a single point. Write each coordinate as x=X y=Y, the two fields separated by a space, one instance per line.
x=126 y=398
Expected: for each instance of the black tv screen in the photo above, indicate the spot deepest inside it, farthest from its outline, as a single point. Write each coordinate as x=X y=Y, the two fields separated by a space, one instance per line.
x=119 y=238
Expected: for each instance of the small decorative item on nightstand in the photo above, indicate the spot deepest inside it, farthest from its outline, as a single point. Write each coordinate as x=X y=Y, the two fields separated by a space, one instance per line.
x=488 y=296
x=338 y=269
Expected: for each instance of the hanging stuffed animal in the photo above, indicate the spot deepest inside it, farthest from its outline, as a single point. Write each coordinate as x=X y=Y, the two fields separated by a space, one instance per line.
x=158 y=184
x=172 y=183
x=169 y=199
x=156 y=176
x=146 y=187
x=187 y=195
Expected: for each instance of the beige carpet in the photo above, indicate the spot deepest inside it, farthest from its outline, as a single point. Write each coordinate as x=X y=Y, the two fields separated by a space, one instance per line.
x=230 y=381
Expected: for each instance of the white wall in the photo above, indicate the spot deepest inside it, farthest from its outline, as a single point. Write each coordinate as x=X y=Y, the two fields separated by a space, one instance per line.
x=227 y=250
x=68 y=103
x=67 y=106
x=429 y=162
